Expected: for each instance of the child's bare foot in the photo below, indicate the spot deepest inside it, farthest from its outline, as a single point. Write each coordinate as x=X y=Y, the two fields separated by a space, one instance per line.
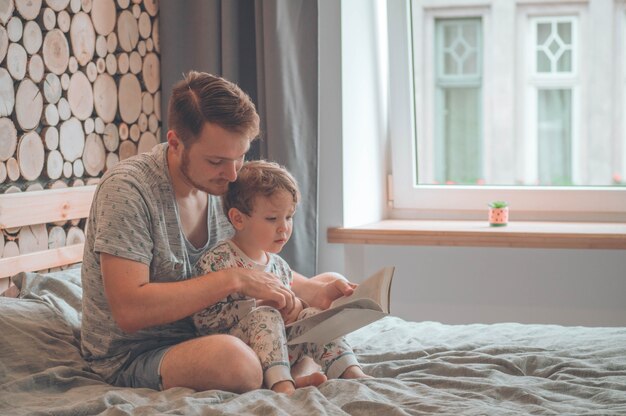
x=313 y=379
x=285 y=386
x=354 y=371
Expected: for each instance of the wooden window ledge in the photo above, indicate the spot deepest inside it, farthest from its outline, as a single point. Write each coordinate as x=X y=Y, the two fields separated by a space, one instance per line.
x=529 y=234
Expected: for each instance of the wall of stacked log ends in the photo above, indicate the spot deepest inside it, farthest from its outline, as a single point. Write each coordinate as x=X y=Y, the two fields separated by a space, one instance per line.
x=79 y=91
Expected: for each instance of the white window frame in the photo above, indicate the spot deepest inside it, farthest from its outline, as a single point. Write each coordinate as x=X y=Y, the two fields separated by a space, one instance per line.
x=464 y=202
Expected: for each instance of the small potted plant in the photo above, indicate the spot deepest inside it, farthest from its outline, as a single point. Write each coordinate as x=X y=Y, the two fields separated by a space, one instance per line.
x=498 y=213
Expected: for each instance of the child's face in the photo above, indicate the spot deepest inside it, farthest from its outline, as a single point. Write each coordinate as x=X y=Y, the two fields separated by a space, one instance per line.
x=269 y=226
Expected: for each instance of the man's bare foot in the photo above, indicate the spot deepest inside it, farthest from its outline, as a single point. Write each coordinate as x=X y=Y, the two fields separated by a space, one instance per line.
x=313 y=379
x=354 y=371
x=285 y=386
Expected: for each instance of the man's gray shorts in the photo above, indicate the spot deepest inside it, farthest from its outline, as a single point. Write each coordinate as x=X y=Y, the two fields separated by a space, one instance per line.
x=144 y=370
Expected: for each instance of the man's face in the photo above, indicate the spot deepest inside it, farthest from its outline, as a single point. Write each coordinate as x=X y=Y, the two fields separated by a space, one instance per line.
x=214 y=159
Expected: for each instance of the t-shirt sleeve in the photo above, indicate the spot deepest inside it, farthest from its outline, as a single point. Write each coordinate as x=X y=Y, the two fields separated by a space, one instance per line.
x=123 y=221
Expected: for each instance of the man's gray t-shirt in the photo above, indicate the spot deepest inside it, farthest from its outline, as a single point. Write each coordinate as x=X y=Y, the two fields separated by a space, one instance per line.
x=134 y=215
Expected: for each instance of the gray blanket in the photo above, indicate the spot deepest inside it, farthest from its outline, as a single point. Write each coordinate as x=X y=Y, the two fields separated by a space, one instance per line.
x=419 y=368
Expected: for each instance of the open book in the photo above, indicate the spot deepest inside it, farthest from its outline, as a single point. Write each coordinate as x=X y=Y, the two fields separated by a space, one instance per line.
x=368 y=303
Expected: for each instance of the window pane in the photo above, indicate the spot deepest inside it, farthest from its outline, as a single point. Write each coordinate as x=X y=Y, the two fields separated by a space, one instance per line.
x=554 y=133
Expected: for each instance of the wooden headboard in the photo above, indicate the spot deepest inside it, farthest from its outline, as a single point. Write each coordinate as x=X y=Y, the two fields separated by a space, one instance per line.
x=41 y=207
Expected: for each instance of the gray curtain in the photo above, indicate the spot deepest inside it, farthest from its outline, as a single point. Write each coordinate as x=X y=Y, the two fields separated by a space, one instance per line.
x=269 y=48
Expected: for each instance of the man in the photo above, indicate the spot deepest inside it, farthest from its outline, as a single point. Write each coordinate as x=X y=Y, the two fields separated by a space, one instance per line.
x=152 y=217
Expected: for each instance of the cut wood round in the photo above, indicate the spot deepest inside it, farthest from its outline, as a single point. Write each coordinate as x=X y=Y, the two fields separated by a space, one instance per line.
x=112 y=42
x=11 y=248
x=112 y=160
x=15 y=28
x=78 y=167
x=64 y=21
x=50 y=137
x=123 y=63
x=127 y=31
x=86 y=5
x=28 y=105
x=3 y=173
x=48 y=18
x=75 y=236
x=34 y=187
x=72 y=65
x=57 y=5
x=157 y=104
x=110 y=137
x=51 y=115
x=101 y=65
x=35 y=68
x=75 y=6
x=111 y=64
x=101 y=46
x=56 y=237
x=142 y=122
x=67 y=169
x=7 y=93
x=103 y=16
x=99 y=125
x=56 y=52
x=6 y=11
x=129 y=98
x=135 y=62
x=12 y=231
x=64 y=109
x=30 y=155
x=147 y=103
x=65 y=81
x=29 y=9
x=72 y=139
x=153 y=123
x=145 y=25
x=141 y=47
x=89 y=126
x=4 y=43
x=32 y=37
x=92 y=181
x=80 y=96
x=13 y=169
x=155 y=35
x=91 y=71
x=83 y=38
x=151 y=6
x=78 y=182
x=105 y=97
x=136 y=10
x=135 y=132
x=54 y=165
x=52 y=88
x=127 y=149
x=16 y=61
x=149 y=45
x=94 y=156
x=8 y=138
x=123 y=129
x=146 y=142
x=1 y=243
x=123 y=4
x=33 y=238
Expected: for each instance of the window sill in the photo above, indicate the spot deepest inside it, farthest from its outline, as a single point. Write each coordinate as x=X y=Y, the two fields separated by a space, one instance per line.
x=522 y=234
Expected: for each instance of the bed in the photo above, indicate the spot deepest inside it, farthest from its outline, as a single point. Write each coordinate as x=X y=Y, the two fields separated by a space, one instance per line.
x=418 y=367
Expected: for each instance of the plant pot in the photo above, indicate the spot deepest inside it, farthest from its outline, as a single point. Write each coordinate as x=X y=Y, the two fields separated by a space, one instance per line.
x=498 y=217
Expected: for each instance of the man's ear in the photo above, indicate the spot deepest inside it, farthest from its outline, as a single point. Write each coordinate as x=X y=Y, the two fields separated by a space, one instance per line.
x=173 y=140
x=236 y=218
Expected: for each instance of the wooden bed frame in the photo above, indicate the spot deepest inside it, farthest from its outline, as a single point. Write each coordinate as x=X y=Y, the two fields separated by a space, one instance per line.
x=41 y=207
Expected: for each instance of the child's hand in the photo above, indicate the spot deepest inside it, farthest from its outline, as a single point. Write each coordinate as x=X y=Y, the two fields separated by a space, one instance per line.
x=292 y=315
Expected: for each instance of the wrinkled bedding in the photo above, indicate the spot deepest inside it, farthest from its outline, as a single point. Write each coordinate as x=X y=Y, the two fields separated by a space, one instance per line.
x=418 y=368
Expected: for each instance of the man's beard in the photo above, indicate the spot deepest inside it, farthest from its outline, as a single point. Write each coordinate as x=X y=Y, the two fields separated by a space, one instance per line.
x=184 y=170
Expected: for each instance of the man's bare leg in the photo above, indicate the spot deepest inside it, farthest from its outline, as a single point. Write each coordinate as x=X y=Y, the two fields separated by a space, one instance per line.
x=219 y=362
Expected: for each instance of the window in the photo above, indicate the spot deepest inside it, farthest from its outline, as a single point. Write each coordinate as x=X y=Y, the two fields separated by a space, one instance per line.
x=511 y=99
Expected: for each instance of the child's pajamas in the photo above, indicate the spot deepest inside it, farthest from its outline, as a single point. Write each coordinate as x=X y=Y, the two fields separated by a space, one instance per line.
x=262 y=327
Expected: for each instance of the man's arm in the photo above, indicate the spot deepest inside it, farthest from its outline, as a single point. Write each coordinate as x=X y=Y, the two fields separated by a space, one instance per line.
x=321 y=290
x=136 y=303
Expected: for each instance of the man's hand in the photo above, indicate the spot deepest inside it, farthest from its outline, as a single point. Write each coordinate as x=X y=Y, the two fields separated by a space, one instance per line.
x=265 y=287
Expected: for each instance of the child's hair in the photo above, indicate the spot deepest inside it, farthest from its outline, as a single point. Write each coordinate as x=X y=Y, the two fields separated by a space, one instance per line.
x=258 y=178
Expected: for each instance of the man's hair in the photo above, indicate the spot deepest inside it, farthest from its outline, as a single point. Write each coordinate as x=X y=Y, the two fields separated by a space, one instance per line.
x=200 y=98
x=258 y=178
